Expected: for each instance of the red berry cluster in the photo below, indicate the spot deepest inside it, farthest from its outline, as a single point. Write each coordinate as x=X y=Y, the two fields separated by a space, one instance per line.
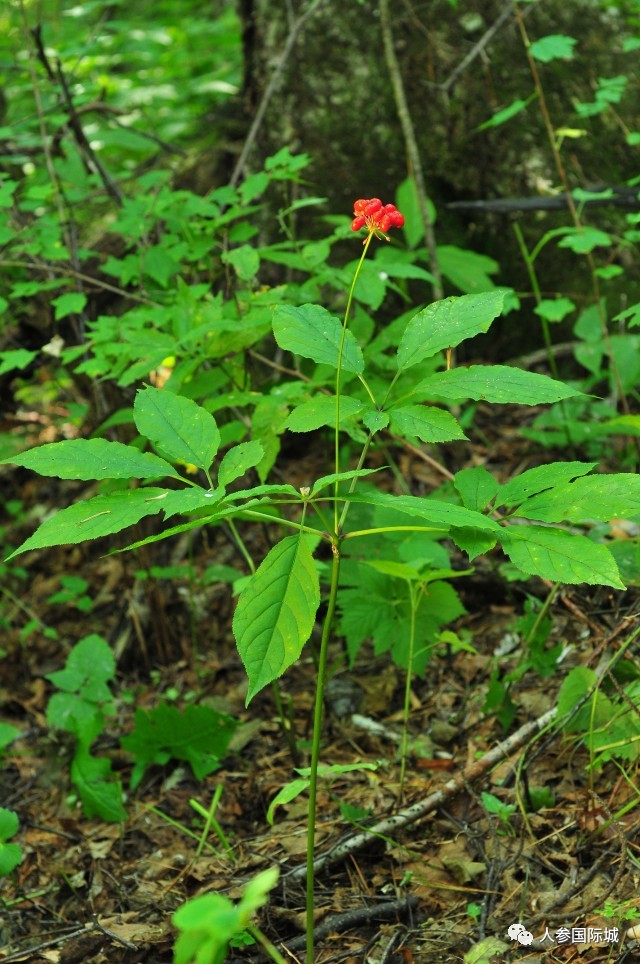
x=376 y=217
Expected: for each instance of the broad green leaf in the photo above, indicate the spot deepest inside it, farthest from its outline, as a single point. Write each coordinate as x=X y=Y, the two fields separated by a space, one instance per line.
x=276 y=612
x=239 y=460
x=72 y=713
x=177 y=425
x=476 y=486
x=100 y=792
x=68 y=304
x=560 y=556
x=444 y=324
x=537 y=480
x=426 y=423
x=199 y=735
x=245 y=260
x=10 y=854
x=577 y=684
x=585 y=240
x=375 y=421
x=442 y=515
x=89 y=666
x=494 y=383
x=321 y=410
x=16 y=358
x=554 y=309
x=596 y=497
x=312 y=332
x=94 y=518
x=466 y=270
x=474 y=542
x=93 y=458
x=553 y=47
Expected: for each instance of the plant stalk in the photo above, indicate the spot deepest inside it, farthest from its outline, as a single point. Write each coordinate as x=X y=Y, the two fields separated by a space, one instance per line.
x=315 y=745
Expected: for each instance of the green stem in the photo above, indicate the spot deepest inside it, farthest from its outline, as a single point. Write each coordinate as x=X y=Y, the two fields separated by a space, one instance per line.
x=271 y=951
x=413 y=602
x=345 y=322
x=315 y=746
x=356 y=533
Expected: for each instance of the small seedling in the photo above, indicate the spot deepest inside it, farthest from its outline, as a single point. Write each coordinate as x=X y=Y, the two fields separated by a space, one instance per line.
x=208 y=924
x=10 y=853
x=503 y=811
x=80 y=707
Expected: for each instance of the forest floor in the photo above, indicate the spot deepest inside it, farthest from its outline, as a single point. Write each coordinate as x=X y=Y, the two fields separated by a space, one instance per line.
x=428 y=891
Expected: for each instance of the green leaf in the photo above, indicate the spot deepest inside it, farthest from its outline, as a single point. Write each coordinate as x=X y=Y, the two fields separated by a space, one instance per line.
x=177 y=425
x=585 y=240
x=597 y=497
x=374 y=420
x=555 y=46
x=554 y=310
x=310 y=331
x=442 y=515
x=89 y=666
x=239 y=460
x=10 y=854
x=276 y=612
x=245 y=261
x=473 y=541
x=467 y=270
x=494 y=383
x=93 y=458
x=94 y=518
x=18 y=358
x=444 y=324
x=476 y=486
x=69 y=304
x=199 y=735
x=159 y=265
x=100 y=792
x=560 y=556
x=577 y=684
x=502 y=116
x=72 y=713
x=426 y=423
x=285 y=795
x=537 y=480
x=326 y=480
x=321 y=410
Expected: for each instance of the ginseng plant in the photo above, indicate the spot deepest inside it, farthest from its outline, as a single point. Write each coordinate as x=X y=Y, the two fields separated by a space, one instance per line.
x=277 y=610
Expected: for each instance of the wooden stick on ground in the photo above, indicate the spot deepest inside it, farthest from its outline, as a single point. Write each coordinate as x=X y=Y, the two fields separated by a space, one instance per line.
x=411 y=815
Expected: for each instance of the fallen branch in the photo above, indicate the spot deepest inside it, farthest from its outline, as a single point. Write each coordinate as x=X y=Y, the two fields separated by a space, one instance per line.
x=411 y=815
